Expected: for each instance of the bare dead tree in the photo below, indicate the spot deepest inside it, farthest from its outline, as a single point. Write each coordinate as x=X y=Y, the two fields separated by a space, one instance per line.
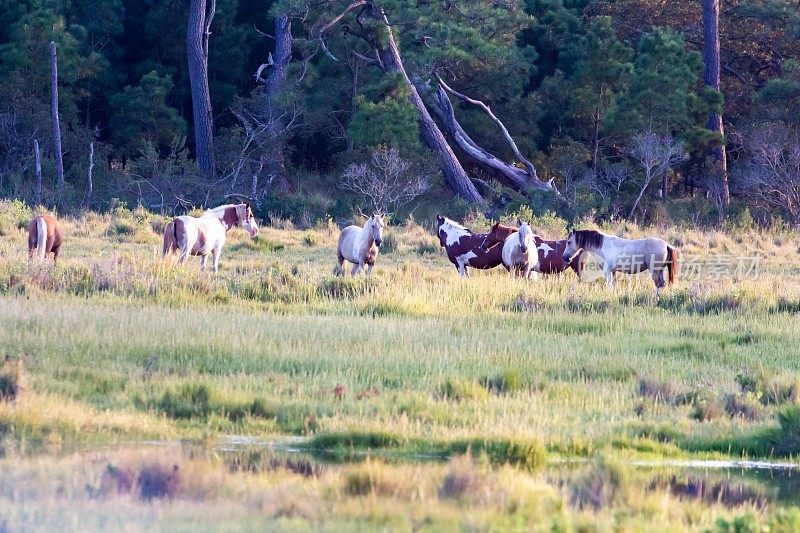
x=87 y=199
x=37 y=188
x=198 y=32
x=771 y=171
x=717 y=189
x=508 y=173
x=388 y=180
x=656 y=154
x=55 y=120
x=260 y=124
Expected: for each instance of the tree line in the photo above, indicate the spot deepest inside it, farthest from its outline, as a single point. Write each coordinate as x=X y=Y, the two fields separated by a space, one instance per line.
x=629 y=108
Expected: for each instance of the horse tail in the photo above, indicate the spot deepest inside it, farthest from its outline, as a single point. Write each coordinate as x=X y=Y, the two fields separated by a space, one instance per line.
x=41 y=237
x=169 y=239
x=181 y=238
x=672 y=263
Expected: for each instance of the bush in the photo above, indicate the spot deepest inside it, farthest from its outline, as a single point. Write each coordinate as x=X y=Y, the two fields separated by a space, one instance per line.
x=14 y=215
x=12 y=376
x=509 y=380
x=460 y=390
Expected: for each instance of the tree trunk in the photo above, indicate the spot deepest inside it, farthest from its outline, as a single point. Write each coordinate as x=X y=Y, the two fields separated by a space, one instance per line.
x=596 y=139
x=55 y=120
x=711 y=58
x=454 y=174
x=87 y=201
x=37 y=188
x=274 y=85
x=197 y=34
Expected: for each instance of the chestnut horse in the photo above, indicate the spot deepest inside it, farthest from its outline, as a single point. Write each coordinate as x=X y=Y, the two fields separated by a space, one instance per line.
x=45 y=236
x=359 y=245
x=464 y=247
x=205 y=235
x=550 y=252
x=630 y=256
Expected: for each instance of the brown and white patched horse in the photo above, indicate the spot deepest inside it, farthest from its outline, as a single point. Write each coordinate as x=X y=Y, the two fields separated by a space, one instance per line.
x=205 y=235
x=464 y=247
x=550 y=253
x=44 y=236
x=630 y=256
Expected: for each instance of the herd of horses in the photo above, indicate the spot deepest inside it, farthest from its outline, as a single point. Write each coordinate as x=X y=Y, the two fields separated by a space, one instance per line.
x=518 y=249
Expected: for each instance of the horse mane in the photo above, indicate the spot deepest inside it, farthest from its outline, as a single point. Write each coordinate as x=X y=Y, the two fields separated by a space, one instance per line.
x=588 y=238
x=220 y=209
x=454 y=224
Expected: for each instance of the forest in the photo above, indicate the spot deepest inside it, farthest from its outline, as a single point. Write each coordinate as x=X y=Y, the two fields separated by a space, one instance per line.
x=654 y=111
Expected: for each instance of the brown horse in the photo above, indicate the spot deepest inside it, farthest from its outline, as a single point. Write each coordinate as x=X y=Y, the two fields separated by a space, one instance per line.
x=464 y=247
x=550 y=253
x=45 y=236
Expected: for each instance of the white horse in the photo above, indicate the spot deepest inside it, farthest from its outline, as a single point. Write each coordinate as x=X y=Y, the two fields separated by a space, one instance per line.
x=359 y=246
x=205 y=235
x=520 y=255
x=630 y=256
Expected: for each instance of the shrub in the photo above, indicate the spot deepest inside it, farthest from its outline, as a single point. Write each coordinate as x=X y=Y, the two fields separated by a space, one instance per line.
x=14 y=214
x=460 y=390
x=12 y=377
x=744 y=405
x=707 y=410
x=786 y=439
x=509 y=380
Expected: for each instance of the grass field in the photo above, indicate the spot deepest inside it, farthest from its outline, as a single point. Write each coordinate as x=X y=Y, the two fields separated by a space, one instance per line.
x=413 y=399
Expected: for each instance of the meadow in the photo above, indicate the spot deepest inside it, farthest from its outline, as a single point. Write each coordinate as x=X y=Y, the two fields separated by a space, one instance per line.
x=408 y=401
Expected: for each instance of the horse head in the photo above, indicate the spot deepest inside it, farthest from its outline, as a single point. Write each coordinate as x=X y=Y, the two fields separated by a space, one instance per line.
x=497 y=234
x=571 y=247
x=375 y=226
x=524 y=237
x=246 y=219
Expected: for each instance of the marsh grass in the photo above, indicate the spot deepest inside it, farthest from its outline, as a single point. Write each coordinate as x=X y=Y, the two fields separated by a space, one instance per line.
x=122 y=345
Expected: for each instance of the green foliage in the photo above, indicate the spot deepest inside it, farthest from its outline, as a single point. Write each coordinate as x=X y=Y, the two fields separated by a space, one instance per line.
x=390 y=120
x=143 y=118
x=662 y=95
x=14 y=215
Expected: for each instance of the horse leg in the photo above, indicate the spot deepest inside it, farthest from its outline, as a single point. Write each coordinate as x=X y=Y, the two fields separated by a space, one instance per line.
x=203 y=262
x=609 y=275
x=658 y=279
x=369 y=270
x=355 y=270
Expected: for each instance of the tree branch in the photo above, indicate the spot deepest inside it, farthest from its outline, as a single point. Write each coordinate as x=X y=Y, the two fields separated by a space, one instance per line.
x=506 y=134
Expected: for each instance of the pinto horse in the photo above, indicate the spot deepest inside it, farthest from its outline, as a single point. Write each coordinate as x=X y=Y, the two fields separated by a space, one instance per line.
x=630 y=256
x=464 y=247
x=205 y=235
x=550 y=260
x=360 y=245
x=44 y=236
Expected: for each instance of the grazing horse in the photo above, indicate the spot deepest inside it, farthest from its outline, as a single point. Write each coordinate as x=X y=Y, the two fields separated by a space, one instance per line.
x=360 y=245
x=550 y=252
x=519 y=252
x=44 y=235
x=205 y=235
x=464 y=247
x=626 y=255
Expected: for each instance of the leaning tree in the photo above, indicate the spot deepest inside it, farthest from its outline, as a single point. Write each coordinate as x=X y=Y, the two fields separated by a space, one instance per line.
x=421 y=45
